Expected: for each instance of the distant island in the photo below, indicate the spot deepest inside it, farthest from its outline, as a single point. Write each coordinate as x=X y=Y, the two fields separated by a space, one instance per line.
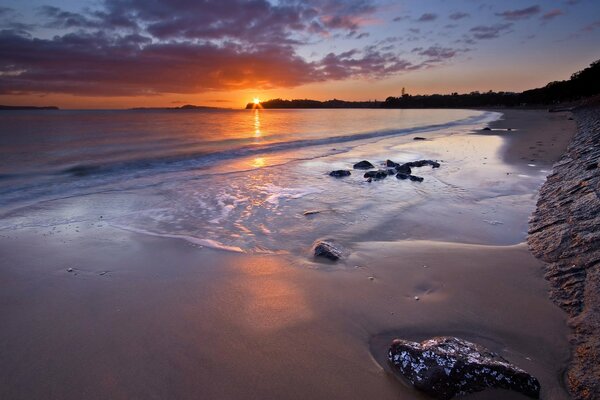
x=10 y=108
x=582 y=84
x=185 y=107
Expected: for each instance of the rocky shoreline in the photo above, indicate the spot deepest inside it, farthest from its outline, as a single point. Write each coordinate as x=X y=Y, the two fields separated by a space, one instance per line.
x=564 y=232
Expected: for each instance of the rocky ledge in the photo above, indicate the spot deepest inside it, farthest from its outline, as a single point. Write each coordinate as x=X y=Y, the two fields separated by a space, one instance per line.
x=444 y=367
x=564 y=232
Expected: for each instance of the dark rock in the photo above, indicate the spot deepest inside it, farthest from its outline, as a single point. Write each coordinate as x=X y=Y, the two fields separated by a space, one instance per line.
x=570 y=118
x=415 y=178
x=422 y=163
x=444 y=367
x=340 y=173
x=404 y=169
x=364 y=164
x=381 y=174
x=419 y=138
x=487 y=128
x=370 y=180
x=400 y=175
x=327 y=249
x=391 y=171
x=391 y=164
x=591 y=166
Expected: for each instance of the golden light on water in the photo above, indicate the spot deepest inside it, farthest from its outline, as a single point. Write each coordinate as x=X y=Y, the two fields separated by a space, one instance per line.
x=257 y=133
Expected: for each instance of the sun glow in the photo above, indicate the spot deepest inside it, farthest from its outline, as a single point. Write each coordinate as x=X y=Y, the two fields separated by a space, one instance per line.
x=256 y=101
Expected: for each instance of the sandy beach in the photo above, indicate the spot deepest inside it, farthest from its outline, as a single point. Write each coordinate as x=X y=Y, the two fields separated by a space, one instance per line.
x=142 y=317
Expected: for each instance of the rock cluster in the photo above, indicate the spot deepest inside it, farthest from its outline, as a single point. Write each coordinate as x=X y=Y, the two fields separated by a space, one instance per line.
x=402 y=171
x=444 y=367
x=564 y=231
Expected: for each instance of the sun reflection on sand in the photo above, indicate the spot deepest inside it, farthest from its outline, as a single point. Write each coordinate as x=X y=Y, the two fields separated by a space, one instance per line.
x=272 y=301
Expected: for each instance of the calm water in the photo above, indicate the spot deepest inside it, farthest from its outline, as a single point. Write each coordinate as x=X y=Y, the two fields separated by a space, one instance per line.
x=239 y=180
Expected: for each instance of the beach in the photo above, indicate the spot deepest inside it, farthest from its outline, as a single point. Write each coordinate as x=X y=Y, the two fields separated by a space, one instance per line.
x=92 y=309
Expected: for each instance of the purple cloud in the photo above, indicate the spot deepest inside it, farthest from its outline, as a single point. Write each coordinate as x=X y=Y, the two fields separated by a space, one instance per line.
x=458 y=15
x=552 y=14
x=482 y=32
x=523 y=13
x=427 y=17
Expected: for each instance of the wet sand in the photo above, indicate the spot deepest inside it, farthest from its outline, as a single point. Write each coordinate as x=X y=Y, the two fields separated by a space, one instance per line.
x=141 y=317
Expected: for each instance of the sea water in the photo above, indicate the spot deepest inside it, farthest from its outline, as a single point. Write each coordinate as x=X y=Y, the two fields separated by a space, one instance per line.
x=256 y=180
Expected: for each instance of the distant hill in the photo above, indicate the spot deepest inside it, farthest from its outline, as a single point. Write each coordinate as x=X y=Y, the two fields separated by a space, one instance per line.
x=6 y=108
x=581 y=85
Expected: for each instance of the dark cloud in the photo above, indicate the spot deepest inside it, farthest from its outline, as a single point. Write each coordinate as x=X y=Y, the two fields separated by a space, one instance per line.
x=427 y=17
x=482 y=32
x=459 y=15
x=591 y=27
x=522 y=13
x=552 y=14
x=438 y=53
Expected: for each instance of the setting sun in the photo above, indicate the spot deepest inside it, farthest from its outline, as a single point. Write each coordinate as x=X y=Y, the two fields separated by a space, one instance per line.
x=256 y=101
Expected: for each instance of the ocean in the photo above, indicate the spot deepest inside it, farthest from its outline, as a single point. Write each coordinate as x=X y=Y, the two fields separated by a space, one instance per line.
x=254 y=181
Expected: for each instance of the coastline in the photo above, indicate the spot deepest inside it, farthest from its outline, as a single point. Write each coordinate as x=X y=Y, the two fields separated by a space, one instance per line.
x=146 y=317
x=564 y=234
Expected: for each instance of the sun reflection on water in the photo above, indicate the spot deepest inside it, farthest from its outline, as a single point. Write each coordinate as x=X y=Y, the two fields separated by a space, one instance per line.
x=257 y=133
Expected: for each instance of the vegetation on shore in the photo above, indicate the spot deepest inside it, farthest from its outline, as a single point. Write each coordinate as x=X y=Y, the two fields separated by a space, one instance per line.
x=582 y=84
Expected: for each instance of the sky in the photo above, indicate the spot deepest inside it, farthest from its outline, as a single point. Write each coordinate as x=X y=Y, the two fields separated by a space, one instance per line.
x=224 y=53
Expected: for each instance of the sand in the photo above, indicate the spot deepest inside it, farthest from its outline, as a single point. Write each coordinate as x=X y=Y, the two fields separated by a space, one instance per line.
x=142 y=317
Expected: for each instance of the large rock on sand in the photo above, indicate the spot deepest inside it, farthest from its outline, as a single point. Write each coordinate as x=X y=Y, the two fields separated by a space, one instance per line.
x=445 y=367
x=327 y=249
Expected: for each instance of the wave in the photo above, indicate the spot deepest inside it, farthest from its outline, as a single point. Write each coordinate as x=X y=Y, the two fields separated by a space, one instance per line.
x=204 y=159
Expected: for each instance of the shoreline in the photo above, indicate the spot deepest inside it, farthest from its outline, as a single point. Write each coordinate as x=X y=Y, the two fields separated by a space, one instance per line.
x=147 y=317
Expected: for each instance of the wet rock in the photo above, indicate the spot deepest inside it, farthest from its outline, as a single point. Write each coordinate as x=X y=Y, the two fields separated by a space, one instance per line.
x=444 y=367
x=422 y=163
x=419 y=138
x=391 y=171
x=487 y=128
x=380 y=174
x=404 y=169
x=391 y=164
x=415 y=178
x=400 y=175
x=340 y=173
x=364 y=164
x=327 y=249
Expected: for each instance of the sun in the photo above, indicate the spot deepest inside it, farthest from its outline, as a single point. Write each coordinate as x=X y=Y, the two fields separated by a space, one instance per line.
x=256 y=101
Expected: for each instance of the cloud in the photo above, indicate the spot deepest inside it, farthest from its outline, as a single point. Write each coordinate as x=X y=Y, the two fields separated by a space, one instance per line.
x=458 y=15
x=552 y=14
x=523 y=13
x=483 y=32
x=591 y=27
x=438 y=53
x=427 y=17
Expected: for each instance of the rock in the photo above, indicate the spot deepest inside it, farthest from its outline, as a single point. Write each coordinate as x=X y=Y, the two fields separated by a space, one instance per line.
x=419 y=138
x=340 y=173
x=422 y=163
x=376 y=174
x=563 y=232
x=415 y=178
x=400 y=175
x=390 y=163
x=327 y=249
x=69 y=269
x=364 y=164
x=404 y=169
x=487 y=128
x=416 y=298
x=591 y=166
x=444 y=367
x=391 y=171
x=370 y=180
